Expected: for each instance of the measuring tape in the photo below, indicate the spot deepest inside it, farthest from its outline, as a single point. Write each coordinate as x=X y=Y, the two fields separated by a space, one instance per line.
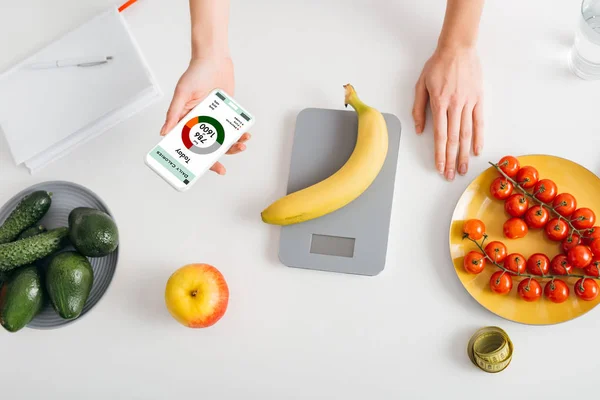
x=490 y=349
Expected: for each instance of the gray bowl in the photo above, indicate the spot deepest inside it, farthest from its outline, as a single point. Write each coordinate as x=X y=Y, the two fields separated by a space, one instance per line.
x=65 y=197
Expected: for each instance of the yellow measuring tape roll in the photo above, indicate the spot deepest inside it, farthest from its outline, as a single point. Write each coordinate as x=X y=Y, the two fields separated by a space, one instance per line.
x=490 y=349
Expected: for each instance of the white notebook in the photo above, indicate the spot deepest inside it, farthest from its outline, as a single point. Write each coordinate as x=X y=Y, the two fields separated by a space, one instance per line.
x=45 y=113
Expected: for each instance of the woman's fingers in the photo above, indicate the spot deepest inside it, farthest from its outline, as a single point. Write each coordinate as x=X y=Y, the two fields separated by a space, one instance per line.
x=478 y=128
x=420 y=105
x=239 y=146
x=245 y=137
x=454 y=115
x=466 y=132
x=440 y=135
x=218 y=168
x=236 y=148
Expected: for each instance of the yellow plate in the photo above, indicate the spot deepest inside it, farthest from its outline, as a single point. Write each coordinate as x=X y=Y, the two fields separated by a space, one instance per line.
x=477 y=202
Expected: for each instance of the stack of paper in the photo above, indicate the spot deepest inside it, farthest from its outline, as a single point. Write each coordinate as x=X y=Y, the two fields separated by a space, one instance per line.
x=45 y=113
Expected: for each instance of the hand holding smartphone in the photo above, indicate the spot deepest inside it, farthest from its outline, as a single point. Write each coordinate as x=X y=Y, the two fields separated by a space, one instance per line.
x=199 y=140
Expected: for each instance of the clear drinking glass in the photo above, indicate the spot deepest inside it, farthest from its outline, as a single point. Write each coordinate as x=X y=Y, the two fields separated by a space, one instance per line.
x=584 y=59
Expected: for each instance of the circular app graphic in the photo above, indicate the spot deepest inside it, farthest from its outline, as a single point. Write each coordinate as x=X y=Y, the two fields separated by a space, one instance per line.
x=203 y=135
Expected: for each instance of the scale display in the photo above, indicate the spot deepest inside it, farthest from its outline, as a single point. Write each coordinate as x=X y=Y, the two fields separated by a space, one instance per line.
x=199 y=139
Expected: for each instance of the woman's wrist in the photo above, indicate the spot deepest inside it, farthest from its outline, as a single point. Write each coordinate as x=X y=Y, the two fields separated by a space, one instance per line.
x=206 y=47
x=461 y=26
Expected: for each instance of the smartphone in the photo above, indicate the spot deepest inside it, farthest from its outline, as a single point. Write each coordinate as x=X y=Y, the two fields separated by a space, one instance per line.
x=199 y=140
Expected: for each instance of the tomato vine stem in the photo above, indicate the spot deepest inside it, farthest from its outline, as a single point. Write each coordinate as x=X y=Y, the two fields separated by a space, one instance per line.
x=480 y=246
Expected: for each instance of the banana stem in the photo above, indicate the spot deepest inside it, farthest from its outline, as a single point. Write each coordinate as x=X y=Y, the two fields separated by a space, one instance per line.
x=352 y=99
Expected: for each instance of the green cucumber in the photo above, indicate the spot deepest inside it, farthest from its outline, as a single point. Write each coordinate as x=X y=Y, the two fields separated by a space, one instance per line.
x=21 y=298
x=27 y=251
x=29 y=211
x=33 y=231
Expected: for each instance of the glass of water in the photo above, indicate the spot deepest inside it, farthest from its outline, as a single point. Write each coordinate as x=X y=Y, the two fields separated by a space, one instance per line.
x=584 y=58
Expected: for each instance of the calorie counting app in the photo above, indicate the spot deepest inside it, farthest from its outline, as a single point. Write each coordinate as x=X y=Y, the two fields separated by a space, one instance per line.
x=199 y=140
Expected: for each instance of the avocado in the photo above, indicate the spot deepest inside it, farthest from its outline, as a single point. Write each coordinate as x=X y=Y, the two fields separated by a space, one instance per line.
x=27 y=251
x=33 y=231
x=29 y=211
x=69 y=280
x=21 y=298
x=93 y=232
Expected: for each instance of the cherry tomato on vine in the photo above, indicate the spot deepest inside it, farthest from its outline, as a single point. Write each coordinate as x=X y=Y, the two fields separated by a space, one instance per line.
x=515 y=228
x=474 y=262
x=530 y=290
x=509 y=165
x=557 y=229
x=583 y=218
x=545 y=190
x=591 y=234
x=579 y=256
x=538 y=264
x=595 y=247
x=527 y=177
x=537 y=217
x=586 y=289
x=516 y=263
x=501 y=188
x=474 y=229
x=564 y=204
x=516 y=205
x=496 y=251
x=560 y=265
x=556 y=291
x=570 y=242
x=594 y=268
x=501 y=282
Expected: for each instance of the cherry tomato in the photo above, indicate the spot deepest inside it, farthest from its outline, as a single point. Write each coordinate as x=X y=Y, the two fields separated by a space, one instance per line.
x=527 y=177
x=579 y=256
x=564 y=204
x=583 y=218
x=516 y=263
x=501 y=188
x=500 y=282
x=516 y=205
x=537 y=217
x=474 y=229
x=545 y=190
x=586 y=289
x=594 y=268
x=557 y=229
x=515 y=228
x=591 y=234
x=595 y=247
x=509 y=165
x=530 y=289
x=556 y=291
x=560 y=265
x=496 y=251
x=538 y=264
x=570 y=242
x=474 y=262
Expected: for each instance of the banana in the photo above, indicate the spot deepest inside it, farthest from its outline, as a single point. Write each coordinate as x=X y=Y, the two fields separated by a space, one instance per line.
x=345 y=185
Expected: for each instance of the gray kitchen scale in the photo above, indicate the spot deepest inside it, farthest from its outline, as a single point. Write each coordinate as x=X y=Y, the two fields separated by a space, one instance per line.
x=353 y=239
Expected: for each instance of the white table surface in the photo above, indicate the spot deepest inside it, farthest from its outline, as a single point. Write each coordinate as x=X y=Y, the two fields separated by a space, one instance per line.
x=288 y=333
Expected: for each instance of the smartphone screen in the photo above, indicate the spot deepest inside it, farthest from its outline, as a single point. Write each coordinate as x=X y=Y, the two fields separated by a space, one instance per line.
x=199 y=140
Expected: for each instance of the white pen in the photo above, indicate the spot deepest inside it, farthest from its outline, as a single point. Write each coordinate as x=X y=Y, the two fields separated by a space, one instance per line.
x=72 y=62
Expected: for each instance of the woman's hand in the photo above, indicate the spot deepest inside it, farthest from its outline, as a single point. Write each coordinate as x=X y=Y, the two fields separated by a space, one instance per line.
x=451 y=81
x=202 y=76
